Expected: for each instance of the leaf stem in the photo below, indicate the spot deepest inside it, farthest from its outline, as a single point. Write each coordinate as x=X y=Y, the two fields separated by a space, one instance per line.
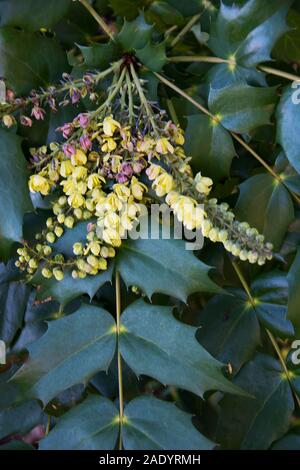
x=279 y=73
x=234 y=135
x=98 y=18
x=144 y=101
x=119 y=358
x=200 y=58
x=270 y=335
x=185 y=29
x=130 y=98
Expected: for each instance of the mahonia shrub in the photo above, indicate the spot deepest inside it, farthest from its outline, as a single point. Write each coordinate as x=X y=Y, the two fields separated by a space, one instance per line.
x=153 y=108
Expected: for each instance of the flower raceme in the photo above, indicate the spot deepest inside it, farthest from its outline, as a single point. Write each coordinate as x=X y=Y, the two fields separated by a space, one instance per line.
x=102 y=174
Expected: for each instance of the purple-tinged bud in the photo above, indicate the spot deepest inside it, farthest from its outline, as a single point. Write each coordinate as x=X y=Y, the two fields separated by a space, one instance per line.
x=126 y=169
x=26 y=121
x=121 y=178
x=85 y=142
x=83 y=120
x=75 y=95
x=69 y=150
x=138 y=166
x=38 y=113
x=66 y=130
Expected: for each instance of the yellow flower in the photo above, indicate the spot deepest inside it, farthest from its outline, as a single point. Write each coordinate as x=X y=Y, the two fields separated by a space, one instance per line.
x=112 y=202
x=111 y=220
x=80 y=173
x=163 y=146
x=76 y=200
x=108 y=145
x=172 y=197
x=69 y=186
x=110 y=125
x=137 y=188
x=112 y=237
x=203 y=184
x=66 y=168
x=122 y=191
x=163 y=184
x=79 y=158
x=94 y=180
x=38 y=183
x=145 y=145
x=153 y=171
x=81 y=187
x=179 y=139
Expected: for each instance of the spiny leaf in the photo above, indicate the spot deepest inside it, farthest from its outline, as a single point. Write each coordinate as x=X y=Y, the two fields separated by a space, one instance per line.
x=242 y=108
x=135 y=34
x=255 y=423
x=288 y=125
x=163 y=266
x=214 y=156
x=100 y=55
x=151 y=344
x=91 y=425
x=269 y=195
x=151 y=424
x=37 y=60
x=14 y=193
x=73 y=349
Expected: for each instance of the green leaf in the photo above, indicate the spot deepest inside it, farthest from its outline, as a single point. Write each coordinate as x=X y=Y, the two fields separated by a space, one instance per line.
x=127 y=8
x=151 y=424
x=214 y=156
x=14 y=193
x=29 y=60
x=288 y=125
x=13 y=302
x=32 y=14
x=294 y=293
x=289 y=442
x=153 y=56
x=254 y=423
x=163 y=266
x=230 y=329
x=262 y=210
x=166 y=13
x=288 y=47
x=68 y=289
x=229 y=324
x=72 y=350
x=242 y=108
x=16 y=418
x=152 y=344
x=94 y=424
x=248 y=32
x=135 y=34
x=100 y=55
x=16 y=445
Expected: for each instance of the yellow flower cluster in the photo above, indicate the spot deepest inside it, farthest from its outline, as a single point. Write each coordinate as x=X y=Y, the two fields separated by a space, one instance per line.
x=98 y=180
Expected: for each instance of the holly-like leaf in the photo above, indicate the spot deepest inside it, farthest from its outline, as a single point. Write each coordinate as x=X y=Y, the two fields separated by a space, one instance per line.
x=269 y=195
x=214 y=156
x=100 y=55
x=151 y=344
x=242 y=108
x=288 y=125
x=153 y=56
x=30 y=60
x=248 y=32
x=151 y=424
x=288 y=47
x=294 y=293
x=72 y=350
x=135 y=34
x=14 y=193
x=230 y=324
x=13 y=302
x=16 y=418
x=254 y=423
x=289 y=442
x=163 y=266
x=94 y=424
x=32 y=15
x=68 y=289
